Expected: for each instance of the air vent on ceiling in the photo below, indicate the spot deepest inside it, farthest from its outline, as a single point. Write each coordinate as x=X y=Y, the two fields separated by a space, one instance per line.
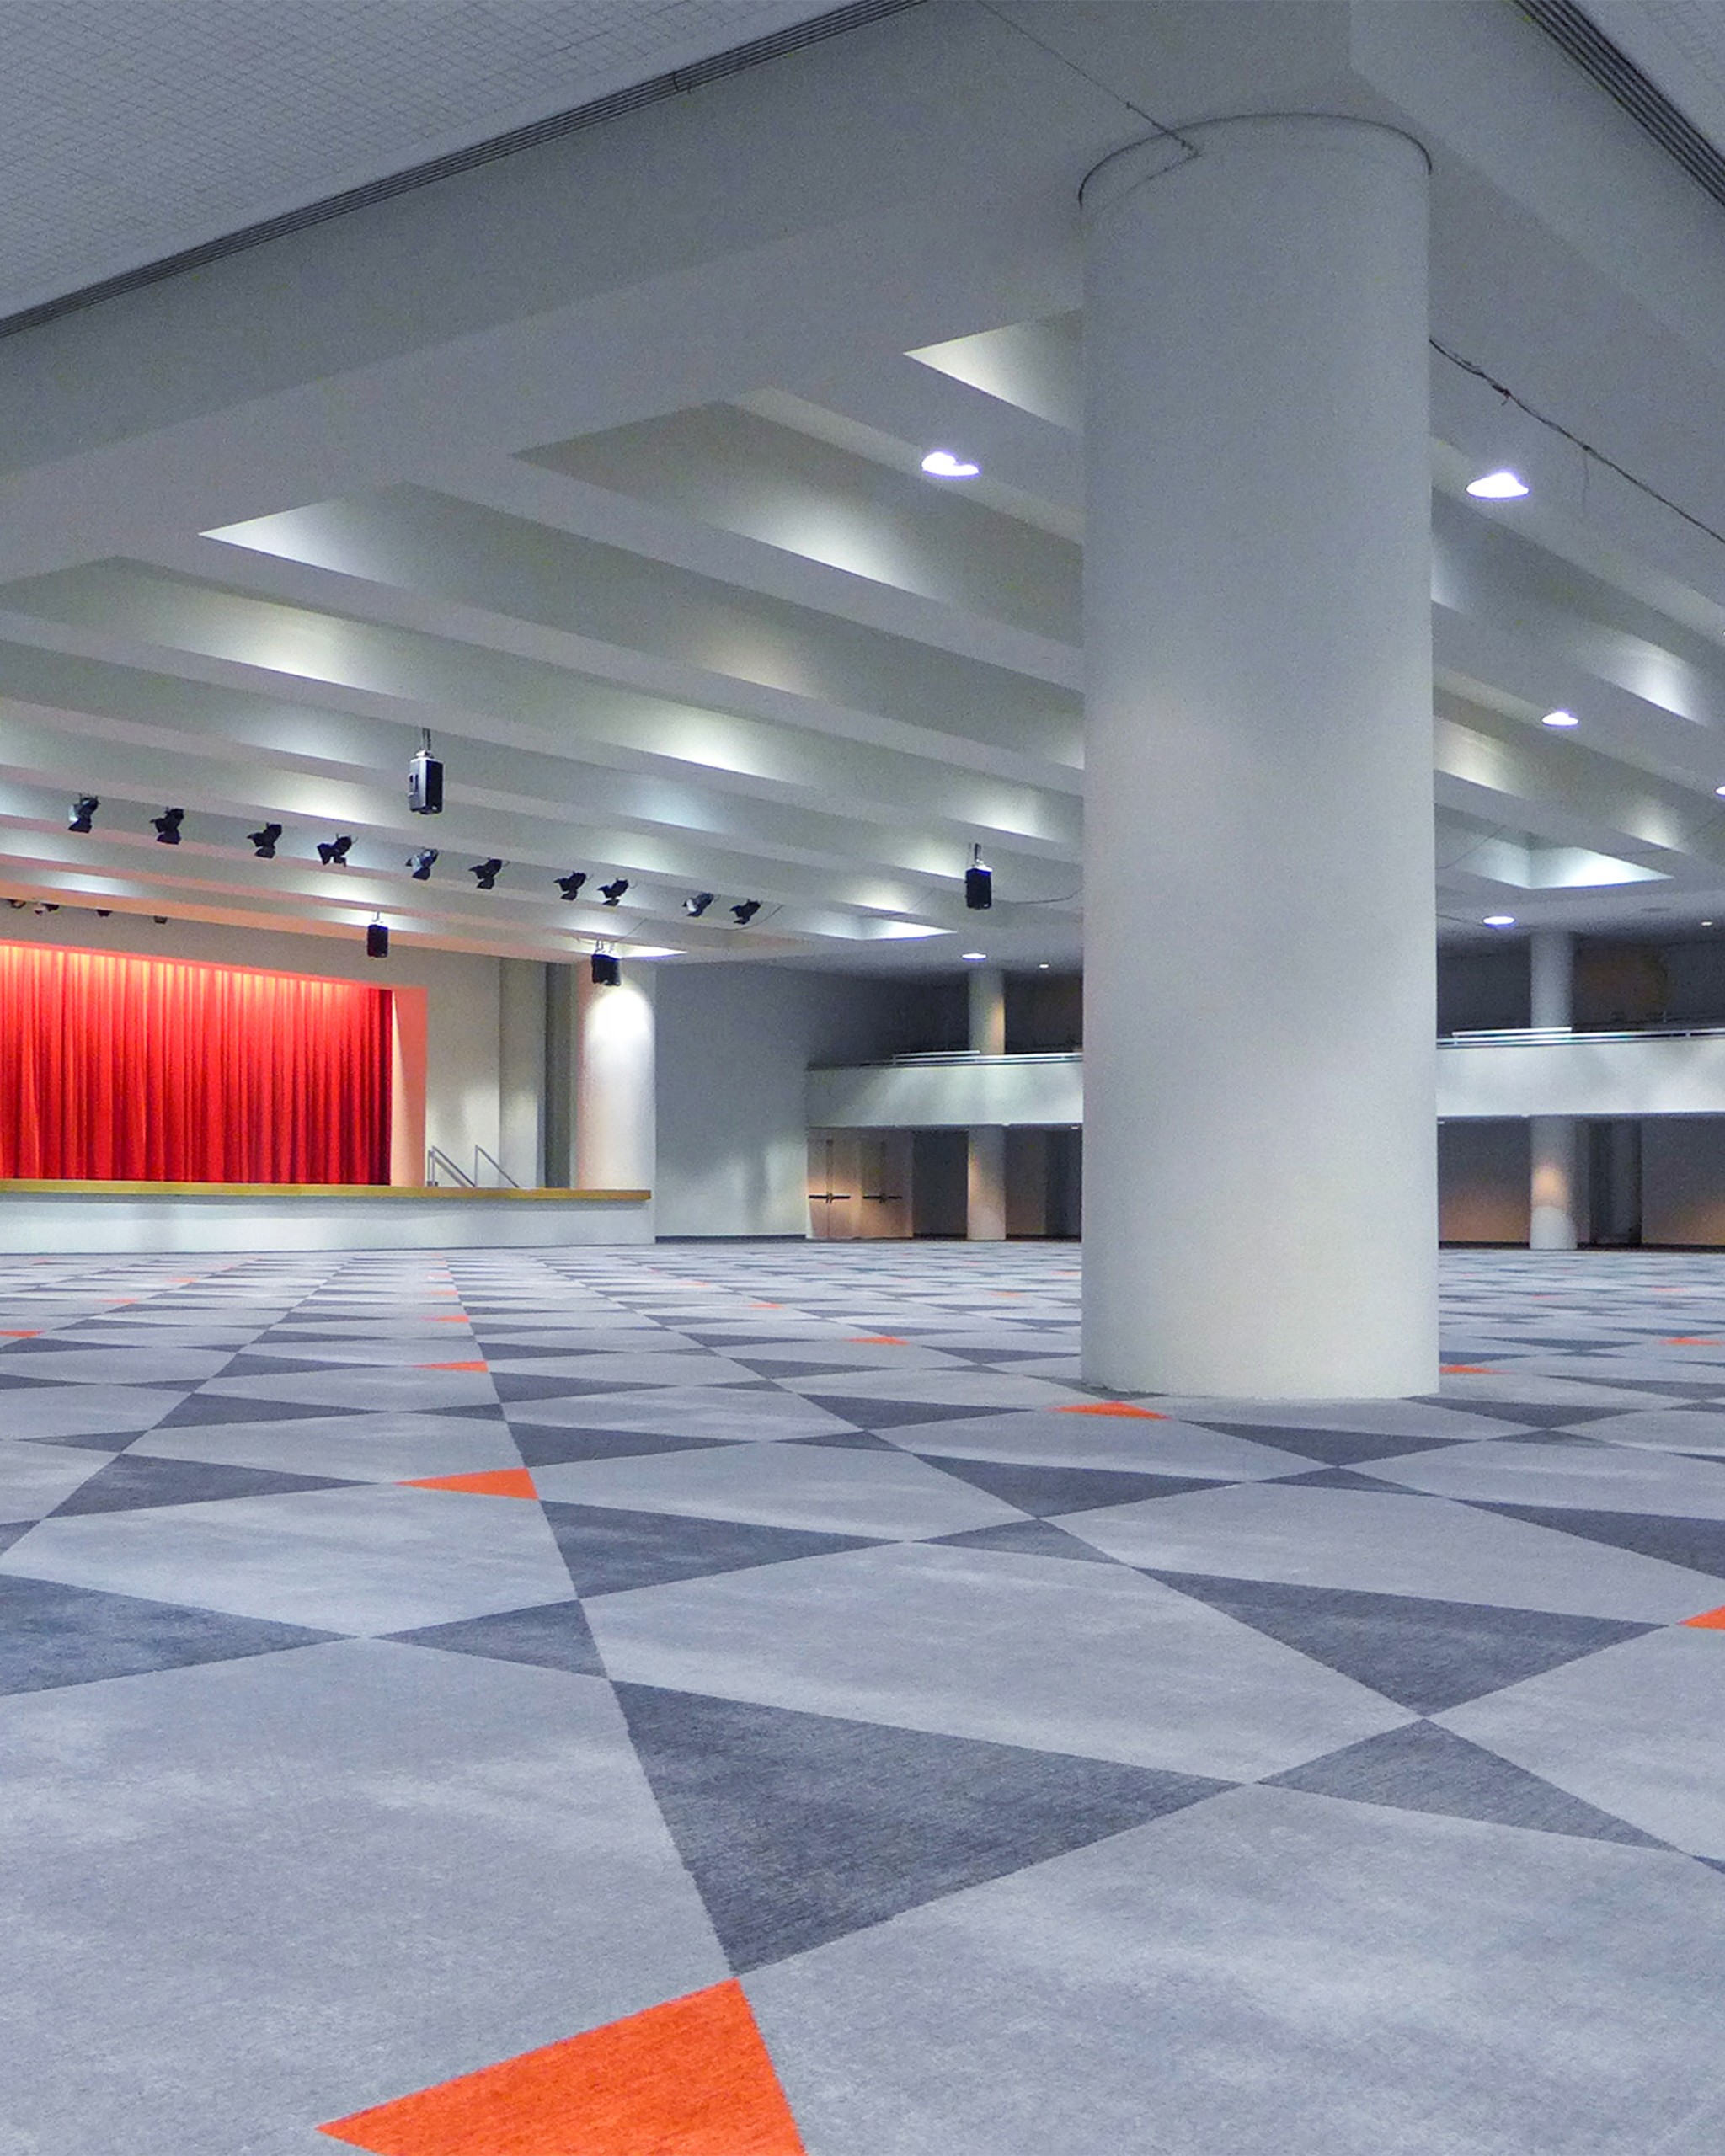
x=620 y=103
x=1644 y=103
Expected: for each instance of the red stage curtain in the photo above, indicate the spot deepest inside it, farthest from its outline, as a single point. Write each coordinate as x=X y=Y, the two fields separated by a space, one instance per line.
x=156 y=1070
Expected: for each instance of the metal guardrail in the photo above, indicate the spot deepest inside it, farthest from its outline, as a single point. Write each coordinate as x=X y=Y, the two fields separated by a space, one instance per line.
x=436 y=1158
x=480 y=1153
x=1561 y=1036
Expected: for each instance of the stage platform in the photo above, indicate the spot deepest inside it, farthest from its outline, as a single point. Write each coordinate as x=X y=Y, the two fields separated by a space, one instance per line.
x=50 y=1218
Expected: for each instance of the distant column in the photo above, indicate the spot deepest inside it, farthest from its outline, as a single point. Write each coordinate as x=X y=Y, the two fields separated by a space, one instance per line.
x=616 y=1120
x=1554 y=1140
x=985 y=1190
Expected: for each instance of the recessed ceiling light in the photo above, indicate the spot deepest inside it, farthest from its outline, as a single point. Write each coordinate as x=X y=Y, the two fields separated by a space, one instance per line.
x=973 y=955
x=1708 y=924
x=1720 y=790
x=1560 y=718
x=1498 y=487
x=1043 y=965
x=941 y=464
x=1499 y=920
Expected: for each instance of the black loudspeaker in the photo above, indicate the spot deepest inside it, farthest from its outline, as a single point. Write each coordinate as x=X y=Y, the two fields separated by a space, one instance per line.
x=425 y=785
x=607 y=972
x=979 y=889
x=377 y=941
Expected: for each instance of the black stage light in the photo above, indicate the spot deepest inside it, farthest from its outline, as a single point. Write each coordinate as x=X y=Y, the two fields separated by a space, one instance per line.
x=744 y=913
x=570 y=885
x=696 y=905
x=979 y=882
x=612 y=893
x=605 y=971
x=104 y=912
x=160 y=920
x=377 y=941
x=425 y=782
x=263 y=842
x=18 y=905
x=422 y=862
x=334 y=852
x=168 y=825
x=485 y=874
x=81 y=815
x=43 y=906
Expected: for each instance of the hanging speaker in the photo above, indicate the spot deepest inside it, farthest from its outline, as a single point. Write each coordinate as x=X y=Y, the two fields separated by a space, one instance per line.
x=377 y=941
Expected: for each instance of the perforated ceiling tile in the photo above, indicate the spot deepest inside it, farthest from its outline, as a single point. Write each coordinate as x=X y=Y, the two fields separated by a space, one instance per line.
x=132 y=129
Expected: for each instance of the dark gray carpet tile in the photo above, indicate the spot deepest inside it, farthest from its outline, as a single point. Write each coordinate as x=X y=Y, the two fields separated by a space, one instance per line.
x=1331 y=1448
x=608 y=1551
x=773 y=1367
x=1344 y=1478
x=1042 y=1490
x=250 y=1365
x=134 y=1481
x=52 y=1635
x=892 y=1414
x=848 y=1441
x=799 y=1828
x=542 y=1445
x=13 y=1531
x=72 y=1384
x=1423 y=1768
x=105 y=1441
x=515 y=1384
x=1699 y=1544
x=201 y=1407
x=554 y=1636
x=1529 y=1414
x=1425 y=1656
x=1026 y=1538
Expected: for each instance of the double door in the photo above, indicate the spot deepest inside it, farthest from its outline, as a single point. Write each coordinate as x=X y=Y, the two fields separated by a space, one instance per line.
x=859 y=1185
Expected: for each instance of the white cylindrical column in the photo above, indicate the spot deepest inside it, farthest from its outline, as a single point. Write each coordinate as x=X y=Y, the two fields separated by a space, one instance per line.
x=616 y=1119
x=986 y=1187
x=1554 y=1140
x=1550 y=979
x=1260 y=1170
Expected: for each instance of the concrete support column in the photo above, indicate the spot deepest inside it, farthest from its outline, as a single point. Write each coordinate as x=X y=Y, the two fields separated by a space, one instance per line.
x=1260 y=1183
x=615 y=1113
x=1554 y=1140
x=986 y=1187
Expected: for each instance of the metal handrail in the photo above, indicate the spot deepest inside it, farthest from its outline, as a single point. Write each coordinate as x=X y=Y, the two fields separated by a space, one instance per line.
x=480 y=1153
x=436 y=1158
x=1557 y=1036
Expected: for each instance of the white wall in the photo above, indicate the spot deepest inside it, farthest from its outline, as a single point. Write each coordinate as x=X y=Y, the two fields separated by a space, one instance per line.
x=464 y=1030
x=735 y=1042
x=1582 y=1077
x=1682 y=1180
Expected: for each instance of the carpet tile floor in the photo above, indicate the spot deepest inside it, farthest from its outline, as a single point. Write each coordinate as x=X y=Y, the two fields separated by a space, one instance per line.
x=751 y=1700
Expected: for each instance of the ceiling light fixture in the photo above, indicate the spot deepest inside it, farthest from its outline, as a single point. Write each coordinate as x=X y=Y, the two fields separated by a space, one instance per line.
x=263 y=842
x=485 y=874
x=604 y=970
x=82 y=815
x=979 y=882
x=972 y=957
x=570 y=885
x=334 y=852
x=422 y=863
x=377 y=941
x=168 y=825
x=941 y=464
x=696 y=905
x=744 y=913
x=1499 y=920
x=1560 y=718
x=613 y=892
x=1498 y=487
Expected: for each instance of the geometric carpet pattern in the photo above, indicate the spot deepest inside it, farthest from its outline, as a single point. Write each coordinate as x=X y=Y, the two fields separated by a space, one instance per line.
x=745 y=1699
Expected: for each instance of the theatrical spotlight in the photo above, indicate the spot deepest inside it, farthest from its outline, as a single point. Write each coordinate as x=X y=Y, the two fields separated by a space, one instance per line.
x=696 y=905
x=485 y=874
x=570 y=885
x=263 y=842
x=377 y=941
x=605 y=971
x=612 y=893
x=81 y=815
x=978 y=884
x=43 y=906
x=744 y=913
x=168 y=825
x=422 y=863
x=334 y=852
x=425 y=781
